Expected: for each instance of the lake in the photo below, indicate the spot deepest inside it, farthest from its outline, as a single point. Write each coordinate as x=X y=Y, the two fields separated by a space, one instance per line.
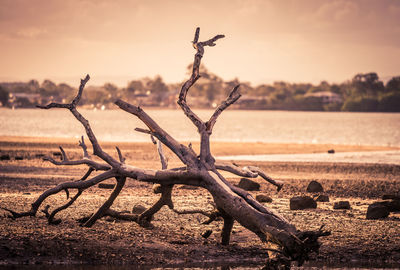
x=233 y=125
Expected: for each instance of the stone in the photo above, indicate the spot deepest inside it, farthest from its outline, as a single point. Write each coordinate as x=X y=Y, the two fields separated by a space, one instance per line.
x=322 y=198
x=248 y=184
x=302 y=202
x=341 y=205
x=377 y=210
x=331 y=151
x=106 y=186
x=391 y=205
x=391 y=197
x=5 y=157
x=314 y=186
x=138 y=209
x=263 y=198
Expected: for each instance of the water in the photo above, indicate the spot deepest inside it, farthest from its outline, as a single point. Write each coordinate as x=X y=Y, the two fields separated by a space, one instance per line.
x=233 y=125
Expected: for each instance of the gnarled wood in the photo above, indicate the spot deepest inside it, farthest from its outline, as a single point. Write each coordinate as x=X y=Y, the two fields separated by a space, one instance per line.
x=233 y=204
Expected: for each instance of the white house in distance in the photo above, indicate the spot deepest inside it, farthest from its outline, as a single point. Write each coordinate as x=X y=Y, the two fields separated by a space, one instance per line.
x=327 y=97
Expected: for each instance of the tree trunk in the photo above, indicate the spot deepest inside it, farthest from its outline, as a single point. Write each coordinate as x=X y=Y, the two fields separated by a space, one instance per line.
x=232 y=203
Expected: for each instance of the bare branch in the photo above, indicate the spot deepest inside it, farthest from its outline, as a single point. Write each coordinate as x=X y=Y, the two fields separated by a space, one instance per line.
x=87 y=174
x=146 y=131
x=186 y=155
x=199 y=46
x=232 y=98
x=81 y=185
x=72 y=107
x=64 y=155
x=50 y=217
x=84 y=147
x=76 y=100
x=248 y=171
x=121 y=158
x=89 y=162
x=107 y=204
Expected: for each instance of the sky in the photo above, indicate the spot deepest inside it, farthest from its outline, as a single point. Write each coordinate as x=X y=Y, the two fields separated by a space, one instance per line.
x=266 y=41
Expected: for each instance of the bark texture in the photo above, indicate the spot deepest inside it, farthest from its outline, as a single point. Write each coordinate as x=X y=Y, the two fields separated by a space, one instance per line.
x=233 y=204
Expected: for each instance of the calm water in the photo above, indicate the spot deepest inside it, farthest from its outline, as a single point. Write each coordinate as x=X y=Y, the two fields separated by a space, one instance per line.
x=248 y=126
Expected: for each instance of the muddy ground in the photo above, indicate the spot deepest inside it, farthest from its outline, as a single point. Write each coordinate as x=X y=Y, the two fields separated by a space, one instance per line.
x=175 y=240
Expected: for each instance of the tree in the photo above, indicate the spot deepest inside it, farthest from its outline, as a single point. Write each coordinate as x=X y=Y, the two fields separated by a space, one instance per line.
x=3 y=96
x=367 y=84
x=285 y=242
x=393 y=85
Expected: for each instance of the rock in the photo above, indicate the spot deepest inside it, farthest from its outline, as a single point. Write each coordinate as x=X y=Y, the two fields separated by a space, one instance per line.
x=5 y=157
x=302 y=202
x=248 y=185
x=57 y=154
x=391 y=197
x=188 y=187
x=331 y=151
x=138 y=209
x=263 y=198
x=391 y=205
x=106 y=186
x=322 y=198
x=341 y=205
x=19 y=158
x=377 y=210
x=314 y=186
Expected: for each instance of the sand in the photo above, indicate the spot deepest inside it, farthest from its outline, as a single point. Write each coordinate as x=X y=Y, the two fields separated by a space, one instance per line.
x=175 y=240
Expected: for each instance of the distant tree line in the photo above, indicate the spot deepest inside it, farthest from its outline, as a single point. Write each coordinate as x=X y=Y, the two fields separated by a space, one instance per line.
x=364 y=93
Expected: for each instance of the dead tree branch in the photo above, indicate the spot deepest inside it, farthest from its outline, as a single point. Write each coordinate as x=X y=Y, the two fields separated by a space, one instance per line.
x=232 y=203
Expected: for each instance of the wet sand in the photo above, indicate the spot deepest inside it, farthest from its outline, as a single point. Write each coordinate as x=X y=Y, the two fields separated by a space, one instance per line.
x=176 y=239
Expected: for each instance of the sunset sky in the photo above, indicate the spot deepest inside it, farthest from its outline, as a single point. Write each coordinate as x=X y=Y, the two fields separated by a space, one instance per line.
x=266 y=41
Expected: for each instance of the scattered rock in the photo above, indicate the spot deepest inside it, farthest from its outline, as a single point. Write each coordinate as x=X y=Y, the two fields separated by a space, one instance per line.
x=331 y=151
x=391 y=197
x=391 y=205
x=106 y=186
x=5 y=157
x=188 y=187
x=206 y=234
x=248 y=184
x=263 y=198
x=341 y=205
x=377 y=210
x=322 y=198
x=314 y=186
x=138 y=209
x=302 y=202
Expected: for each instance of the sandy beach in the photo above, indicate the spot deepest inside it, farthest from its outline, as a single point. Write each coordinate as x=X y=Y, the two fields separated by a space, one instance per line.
x=175 y=239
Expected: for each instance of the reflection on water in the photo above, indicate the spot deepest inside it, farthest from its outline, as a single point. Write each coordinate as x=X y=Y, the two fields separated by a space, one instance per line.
x=250 y=126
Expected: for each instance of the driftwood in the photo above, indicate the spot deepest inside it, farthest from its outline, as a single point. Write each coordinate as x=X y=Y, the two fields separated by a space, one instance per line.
x=283 y=240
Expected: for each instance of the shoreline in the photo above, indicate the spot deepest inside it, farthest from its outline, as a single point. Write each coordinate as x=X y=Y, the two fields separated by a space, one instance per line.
x=219 y=148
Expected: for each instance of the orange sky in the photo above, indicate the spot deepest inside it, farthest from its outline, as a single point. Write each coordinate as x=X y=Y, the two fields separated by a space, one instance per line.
x=116 y=41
